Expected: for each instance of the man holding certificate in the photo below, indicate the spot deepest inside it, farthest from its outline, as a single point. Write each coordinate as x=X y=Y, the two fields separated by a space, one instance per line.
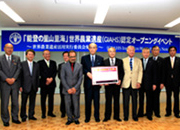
x=131 y=82
x=113 y=90
x=91 y=91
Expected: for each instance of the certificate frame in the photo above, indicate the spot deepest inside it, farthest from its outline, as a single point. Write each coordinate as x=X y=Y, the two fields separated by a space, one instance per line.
x=104 y=75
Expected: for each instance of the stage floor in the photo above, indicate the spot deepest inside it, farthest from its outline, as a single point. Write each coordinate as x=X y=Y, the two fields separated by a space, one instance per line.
x=58 y=123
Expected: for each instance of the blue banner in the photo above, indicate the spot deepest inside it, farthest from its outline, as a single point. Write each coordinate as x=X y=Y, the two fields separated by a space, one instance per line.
x=79 y=40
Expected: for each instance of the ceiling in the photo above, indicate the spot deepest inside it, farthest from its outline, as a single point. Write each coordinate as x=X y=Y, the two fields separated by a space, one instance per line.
x=126 y=14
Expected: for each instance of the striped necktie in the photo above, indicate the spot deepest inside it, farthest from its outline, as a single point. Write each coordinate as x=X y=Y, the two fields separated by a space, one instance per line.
x=131 y=66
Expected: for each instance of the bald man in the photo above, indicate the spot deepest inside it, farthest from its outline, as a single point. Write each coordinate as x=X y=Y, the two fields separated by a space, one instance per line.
x=91 y=92
x=113 y=90
x=10 y=68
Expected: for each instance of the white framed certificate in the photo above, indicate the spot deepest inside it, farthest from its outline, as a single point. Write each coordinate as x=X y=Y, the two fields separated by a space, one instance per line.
x=104 y=75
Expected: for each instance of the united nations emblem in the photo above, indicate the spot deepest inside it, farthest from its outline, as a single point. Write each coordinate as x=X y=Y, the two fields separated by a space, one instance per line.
x=15 y=38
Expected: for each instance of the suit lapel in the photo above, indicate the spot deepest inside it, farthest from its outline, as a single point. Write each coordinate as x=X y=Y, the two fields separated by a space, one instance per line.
x=175 y=61
x=133 y=64
x=13 y=61
x=96 y=60
x=75 y=67
x=33 y=70
x=116 y=62
x=127 y=60
x=27 y=67
x=5 y=61
x=108 y=62
x=89 y=60
x=147 y=64
x=170 y=62
x=45 y=64
x=69 y=67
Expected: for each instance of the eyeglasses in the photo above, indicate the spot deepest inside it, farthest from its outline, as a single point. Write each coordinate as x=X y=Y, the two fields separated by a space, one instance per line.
x=92 y=47
x=9 y=47
x=72 y=57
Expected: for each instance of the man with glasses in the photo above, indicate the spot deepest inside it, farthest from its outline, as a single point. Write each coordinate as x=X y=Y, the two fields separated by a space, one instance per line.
x=10 y=68
x=160 y=79
x=71 y=77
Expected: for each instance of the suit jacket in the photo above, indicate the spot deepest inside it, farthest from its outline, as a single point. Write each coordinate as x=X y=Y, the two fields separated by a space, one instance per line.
x=59 y=72
x=10 y=72
x=149 y=74
x=169 y=72
x=119 y=64
x=47 y=72
x=86 y=63
x=29 y=81
x=132 y=77
x=160 y=65
x=71 y=78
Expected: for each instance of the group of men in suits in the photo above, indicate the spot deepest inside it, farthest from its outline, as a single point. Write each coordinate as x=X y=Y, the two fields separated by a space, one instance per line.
x=24 y=76
x=147 y=76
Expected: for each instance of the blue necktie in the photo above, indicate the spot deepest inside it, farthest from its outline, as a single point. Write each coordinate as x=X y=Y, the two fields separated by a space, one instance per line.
x=131 y=66
x=154 y=58
x=92 y=60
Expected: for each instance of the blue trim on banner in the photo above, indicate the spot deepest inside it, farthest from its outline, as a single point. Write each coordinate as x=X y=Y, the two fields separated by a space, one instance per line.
x=79 y=40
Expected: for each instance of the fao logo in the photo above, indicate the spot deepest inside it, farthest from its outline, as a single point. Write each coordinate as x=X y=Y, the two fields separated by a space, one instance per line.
x=15 y=38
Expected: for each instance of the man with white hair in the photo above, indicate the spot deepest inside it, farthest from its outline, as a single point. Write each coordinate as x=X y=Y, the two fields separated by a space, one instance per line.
x=131 y=82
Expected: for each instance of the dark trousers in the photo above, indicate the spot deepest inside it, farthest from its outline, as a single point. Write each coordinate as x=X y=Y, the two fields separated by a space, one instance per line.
x=92 y=93
x=5 y=95
x=149 y=102
x=156 y=100
x=126 y=97
x=62 y=103
x=175 y=89
x=32 y=100
x=141 y=101
x=112 y=91
x=47 y=91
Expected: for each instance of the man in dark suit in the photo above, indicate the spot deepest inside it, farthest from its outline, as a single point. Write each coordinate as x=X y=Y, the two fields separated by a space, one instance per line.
x=48 y=72
x=29 y=84
x=91 y=92
x=160 y=79
x=62 y=104
x=172 y=81
x=148 y=84
x=113 y=90
x=10 y=69
x=71 y=76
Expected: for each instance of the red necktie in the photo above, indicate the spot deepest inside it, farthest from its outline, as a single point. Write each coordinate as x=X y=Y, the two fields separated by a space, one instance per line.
x=72 y=67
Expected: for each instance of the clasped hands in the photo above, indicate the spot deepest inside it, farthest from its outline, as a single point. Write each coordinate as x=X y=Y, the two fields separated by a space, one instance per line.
x=10 y=81
x=71 y=91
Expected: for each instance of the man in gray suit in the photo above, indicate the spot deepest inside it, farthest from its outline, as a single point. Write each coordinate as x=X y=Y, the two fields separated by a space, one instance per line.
x=71 y=77
x=10 y=68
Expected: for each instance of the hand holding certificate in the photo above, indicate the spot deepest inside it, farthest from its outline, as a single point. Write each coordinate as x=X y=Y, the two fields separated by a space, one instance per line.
x=104 y=75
